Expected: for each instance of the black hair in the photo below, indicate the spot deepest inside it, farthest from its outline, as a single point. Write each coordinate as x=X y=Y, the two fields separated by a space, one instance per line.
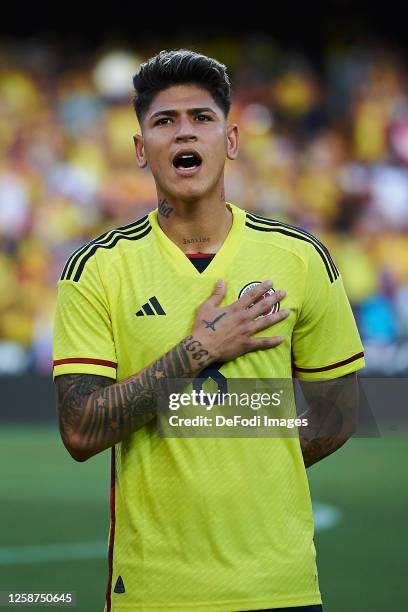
x=169 y=68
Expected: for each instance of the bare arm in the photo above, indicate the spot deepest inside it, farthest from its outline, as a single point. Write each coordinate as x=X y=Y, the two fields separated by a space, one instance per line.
x=332 y=416
x=95 y=414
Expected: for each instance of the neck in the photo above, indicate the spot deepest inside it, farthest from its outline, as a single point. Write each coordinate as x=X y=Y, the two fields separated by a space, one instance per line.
x=201 y=226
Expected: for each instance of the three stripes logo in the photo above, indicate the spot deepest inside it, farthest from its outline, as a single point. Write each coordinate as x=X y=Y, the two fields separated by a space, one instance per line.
x=151 y=308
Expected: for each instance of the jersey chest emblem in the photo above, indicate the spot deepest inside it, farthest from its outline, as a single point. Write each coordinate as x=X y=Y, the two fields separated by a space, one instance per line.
x=270 y=291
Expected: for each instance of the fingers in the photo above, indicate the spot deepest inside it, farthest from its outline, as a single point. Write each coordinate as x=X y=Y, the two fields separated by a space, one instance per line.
x=262 y=344
x=263 y=323
x=268 y=320
x=256 y=292
x=265 y=304
x=219 y=291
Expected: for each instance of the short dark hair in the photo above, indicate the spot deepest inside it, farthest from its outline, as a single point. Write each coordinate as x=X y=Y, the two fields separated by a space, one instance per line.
x=169 y=68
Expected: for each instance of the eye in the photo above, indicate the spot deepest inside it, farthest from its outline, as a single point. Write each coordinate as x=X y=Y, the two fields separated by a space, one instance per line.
x=205 y=117
x=159 y=122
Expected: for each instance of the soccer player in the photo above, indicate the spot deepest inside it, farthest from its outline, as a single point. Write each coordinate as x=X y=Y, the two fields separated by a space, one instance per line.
x=199 y=524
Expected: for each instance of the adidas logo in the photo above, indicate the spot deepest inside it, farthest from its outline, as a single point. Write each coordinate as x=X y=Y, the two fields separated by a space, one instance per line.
x=152 y=307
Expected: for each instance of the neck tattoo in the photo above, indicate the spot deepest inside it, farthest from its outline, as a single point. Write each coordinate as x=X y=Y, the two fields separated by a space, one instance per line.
x=200 y=239
x=164 y=210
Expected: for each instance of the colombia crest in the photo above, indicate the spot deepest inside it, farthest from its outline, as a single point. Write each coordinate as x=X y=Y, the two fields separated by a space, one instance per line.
x=270 y=291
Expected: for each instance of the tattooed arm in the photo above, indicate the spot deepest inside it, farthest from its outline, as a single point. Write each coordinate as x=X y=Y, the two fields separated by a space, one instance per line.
x=95 y=414
x=332 y=416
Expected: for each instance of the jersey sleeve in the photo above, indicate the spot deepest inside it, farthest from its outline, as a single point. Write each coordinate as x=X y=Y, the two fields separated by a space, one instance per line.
x=83 y=340
x=325 y=342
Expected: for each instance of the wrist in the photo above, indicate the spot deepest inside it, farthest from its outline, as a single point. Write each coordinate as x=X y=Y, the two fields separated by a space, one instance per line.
x=200 y=351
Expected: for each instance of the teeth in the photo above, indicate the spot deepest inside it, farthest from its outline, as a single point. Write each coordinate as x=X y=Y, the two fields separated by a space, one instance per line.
x=191 y=160
x=185 y=155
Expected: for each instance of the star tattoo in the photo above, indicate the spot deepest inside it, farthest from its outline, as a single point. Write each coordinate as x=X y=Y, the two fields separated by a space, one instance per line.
x=159 y=374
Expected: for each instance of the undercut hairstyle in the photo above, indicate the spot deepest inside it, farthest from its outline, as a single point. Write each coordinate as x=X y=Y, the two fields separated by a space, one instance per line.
x=181 y=67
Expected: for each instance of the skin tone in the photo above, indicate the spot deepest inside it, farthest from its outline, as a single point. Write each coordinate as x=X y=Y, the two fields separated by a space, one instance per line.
x=94 y=413
x=332 y=415
x=189 y=207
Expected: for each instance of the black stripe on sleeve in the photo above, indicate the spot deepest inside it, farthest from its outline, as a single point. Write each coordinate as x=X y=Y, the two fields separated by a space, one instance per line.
x=102 y=239
x=280 y=230
x=313 y=239
x=108 y=246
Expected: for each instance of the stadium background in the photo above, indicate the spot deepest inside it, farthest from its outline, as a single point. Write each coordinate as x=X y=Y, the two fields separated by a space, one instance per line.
x=321 y=98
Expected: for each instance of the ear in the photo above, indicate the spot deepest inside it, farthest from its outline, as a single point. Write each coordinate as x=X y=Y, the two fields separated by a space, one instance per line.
x=140 y=152
x=232 y=141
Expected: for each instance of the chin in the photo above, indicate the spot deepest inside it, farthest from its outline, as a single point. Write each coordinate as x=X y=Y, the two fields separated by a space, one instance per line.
x=191 y=194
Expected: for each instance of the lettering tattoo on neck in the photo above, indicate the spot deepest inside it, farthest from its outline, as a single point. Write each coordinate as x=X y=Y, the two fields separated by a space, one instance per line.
x=211 y=324
x=164 y=210
x=200 y=239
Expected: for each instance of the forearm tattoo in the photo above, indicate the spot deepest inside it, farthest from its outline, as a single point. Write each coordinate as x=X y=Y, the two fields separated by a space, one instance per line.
x=100 y=413
x=331 y=416
x=314 y=450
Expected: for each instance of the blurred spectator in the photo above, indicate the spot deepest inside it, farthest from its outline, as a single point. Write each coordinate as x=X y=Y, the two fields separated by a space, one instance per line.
x=327 y=153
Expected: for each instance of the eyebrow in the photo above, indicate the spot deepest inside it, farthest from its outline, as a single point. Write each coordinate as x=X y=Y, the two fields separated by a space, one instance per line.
x=190 y=111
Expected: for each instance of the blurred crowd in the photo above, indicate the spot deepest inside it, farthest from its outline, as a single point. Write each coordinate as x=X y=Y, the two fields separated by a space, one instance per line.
x=324 y=145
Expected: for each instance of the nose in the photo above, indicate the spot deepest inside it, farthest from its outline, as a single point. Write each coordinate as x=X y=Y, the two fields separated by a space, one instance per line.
x=185 y=130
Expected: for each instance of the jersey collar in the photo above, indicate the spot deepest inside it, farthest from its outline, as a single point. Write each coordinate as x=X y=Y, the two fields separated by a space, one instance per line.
x=222 y=260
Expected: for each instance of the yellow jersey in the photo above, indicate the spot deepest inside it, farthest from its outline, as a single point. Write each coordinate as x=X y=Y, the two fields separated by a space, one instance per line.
x=205 y=524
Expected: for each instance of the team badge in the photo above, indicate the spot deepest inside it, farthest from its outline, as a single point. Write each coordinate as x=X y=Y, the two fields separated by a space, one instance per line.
x=270 y=291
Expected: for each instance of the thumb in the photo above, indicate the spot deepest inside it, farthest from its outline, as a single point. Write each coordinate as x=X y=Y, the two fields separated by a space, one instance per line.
x=218 y=293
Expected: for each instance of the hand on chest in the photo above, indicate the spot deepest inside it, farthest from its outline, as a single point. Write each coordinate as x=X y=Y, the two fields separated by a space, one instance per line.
x=164 y=309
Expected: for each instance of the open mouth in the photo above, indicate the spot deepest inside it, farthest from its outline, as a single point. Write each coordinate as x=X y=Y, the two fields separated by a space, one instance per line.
x=187 y=162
